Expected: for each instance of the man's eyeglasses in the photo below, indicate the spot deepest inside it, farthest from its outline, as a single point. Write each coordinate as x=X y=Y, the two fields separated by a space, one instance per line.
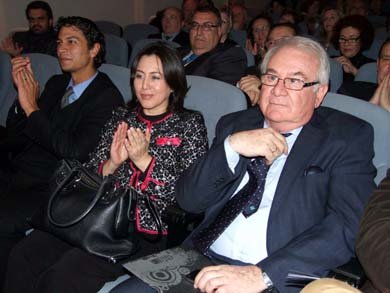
x=290 y=83
x=350 y=40
x=208 y=26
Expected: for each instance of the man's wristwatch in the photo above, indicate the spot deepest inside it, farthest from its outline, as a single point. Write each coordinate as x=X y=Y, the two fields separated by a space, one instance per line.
x=267 y=282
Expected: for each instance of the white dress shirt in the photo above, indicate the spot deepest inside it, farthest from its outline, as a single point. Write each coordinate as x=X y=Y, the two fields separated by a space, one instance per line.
x=246 y=238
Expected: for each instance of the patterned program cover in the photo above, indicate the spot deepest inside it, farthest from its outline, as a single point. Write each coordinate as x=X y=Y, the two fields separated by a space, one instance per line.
x=166 y=271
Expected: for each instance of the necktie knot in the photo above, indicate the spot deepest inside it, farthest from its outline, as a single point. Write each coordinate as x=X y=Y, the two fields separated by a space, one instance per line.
x=65 y=101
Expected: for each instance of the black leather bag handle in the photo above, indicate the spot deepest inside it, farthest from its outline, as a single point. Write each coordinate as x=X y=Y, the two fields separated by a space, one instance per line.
x=76 y=170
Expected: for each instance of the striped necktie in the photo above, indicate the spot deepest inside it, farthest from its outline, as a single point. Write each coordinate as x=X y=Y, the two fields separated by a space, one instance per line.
x=65 y=98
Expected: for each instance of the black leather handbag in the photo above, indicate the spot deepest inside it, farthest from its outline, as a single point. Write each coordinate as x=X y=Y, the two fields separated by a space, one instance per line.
x=89 y=212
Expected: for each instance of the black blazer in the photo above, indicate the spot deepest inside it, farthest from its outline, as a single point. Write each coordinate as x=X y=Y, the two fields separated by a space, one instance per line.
x=225 y=62
x=38 y=142
x=323 y=188
x=181 y=38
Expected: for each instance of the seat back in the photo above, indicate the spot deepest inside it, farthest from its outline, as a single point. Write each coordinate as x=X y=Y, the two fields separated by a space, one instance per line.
x=250 y=59
x=336 y=75
x=213 y=98
x=117 y=50
x=120 y=76
x=138 y=46
x=377 y=117
x=7 y=90
x=367 y=72
x=239 y=36
x=373 y=51
x=109 y=27
x=44 y=66
x=138 y=31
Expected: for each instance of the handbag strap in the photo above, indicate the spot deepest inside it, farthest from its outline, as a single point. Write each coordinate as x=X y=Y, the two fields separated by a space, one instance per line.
x=156 y=216
x=66 y=181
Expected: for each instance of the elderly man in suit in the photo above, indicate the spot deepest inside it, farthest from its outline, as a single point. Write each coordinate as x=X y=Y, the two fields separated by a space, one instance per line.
x=64 y=122
x=284 y=185
x=207 y=56
x=172 y=23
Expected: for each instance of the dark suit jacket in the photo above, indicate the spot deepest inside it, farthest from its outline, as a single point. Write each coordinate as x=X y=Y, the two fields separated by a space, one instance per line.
x=358 y=89
x=181 y=38
x=45 y=43
x=373 y=242
x=226 y=63
x=320 y=197
x=38 y=142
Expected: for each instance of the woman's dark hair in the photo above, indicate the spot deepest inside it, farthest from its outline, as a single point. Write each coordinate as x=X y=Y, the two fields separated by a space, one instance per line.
x=250 y=29
x=361 y=23
x=90 y=32
x=173 y=70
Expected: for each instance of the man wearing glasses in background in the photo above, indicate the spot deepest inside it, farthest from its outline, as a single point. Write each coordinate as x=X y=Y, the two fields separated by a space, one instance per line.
x=284 y=184
x=376 y=93
x=207 y=56
x=251 y=83
x=40 y=38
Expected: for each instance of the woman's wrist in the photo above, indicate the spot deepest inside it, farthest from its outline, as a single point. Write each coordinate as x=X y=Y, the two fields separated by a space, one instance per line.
x=109 y=167
x=143 y=162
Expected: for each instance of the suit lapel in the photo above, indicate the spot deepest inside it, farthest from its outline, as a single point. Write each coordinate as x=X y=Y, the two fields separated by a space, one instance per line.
x=305 y=148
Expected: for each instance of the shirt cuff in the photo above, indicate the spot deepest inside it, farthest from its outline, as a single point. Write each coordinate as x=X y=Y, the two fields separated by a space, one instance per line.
x=232 y=157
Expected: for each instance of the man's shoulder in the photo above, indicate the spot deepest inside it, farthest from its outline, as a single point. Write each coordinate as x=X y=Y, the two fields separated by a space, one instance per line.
x=154 y=36
x=338 y=121
x=358 y=89
x=251 y=115
x=102 y=84
x=230 y=49
x=21 y=36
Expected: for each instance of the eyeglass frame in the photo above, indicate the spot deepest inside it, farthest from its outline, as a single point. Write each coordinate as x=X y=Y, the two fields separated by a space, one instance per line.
x=303 y=83
x=207 y=26
x=349 y=41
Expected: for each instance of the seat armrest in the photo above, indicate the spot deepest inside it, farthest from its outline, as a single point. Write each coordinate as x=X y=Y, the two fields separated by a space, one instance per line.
x=351 y=272
x=180 y=224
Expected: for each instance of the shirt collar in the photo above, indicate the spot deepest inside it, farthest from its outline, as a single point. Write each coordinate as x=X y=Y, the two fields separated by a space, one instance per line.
x=78 y=89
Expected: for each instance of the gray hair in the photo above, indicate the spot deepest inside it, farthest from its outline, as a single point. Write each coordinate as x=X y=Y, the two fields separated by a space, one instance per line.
x=306 y=45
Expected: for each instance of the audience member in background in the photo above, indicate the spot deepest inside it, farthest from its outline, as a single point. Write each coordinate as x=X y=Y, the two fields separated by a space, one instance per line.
x=310 y=13
x=155 y=20
x=368 y=91
x=329 y=17
x=373 y=242
x=288 y=16
x=239 y=16
x=352 y=35
x=358 y=7
x=251 y=83
x=208 y=57
x=147 y=146
x=172 y=23
x=258 y=30
x=188 y=8
x=226 y=26
x=64 y=122
x=276 y=8
x=40 y=38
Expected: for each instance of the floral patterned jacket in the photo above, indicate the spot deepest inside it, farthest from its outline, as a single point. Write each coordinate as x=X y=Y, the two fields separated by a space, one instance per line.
x=177 y=140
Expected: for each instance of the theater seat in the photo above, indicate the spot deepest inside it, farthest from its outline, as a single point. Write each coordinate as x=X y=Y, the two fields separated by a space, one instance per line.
x=377 y=117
